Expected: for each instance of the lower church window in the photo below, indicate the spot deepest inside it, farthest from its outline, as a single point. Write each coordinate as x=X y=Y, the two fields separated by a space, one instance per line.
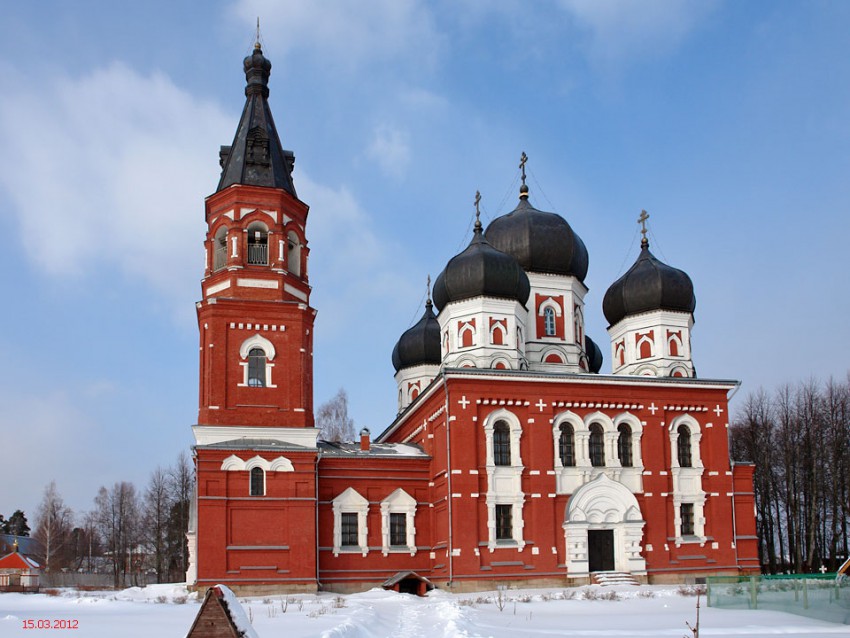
x=398 y=530
x=687 y=515
x=348 y=530
x=597 y=446
x=504 y=522
x=258 y=480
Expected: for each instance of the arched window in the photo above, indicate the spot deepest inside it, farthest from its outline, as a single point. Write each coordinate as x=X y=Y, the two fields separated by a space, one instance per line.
x=258 y=487
x=256 y=368
x=501 y=444
x=597 y=446
x=220 y=249
x=293 y=252
x=466 y=337
x=645 y=349
x=624 y=445
x=567 y=445
x=549 y=321
x=673 y=345
x=258 y=244
x=684 y=445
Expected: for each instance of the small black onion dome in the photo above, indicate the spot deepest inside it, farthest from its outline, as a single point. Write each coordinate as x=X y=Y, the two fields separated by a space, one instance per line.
x=541 y=242
x=481 y=271
x=257 y=69
x=594 y=355
x=419 y=344
x=648 y=285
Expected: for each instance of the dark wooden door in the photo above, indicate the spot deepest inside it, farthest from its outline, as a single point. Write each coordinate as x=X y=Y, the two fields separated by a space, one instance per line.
x=600 y=550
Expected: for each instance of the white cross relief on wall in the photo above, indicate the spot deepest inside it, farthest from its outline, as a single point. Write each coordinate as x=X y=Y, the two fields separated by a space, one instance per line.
x=718 y=410
x=463 y=402
x=540 y=405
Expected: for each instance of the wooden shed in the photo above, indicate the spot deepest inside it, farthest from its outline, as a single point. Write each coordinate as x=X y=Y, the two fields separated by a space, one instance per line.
x=221 y=616
x=408 y=583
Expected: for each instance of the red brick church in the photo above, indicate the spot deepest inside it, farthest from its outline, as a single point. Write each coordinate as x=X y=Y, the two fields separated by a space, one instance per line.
x=512 y=458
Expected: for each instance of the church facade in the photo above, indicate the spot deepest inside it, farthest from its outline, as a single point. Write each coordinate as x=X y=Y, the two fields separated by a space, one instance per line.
x=512 y=458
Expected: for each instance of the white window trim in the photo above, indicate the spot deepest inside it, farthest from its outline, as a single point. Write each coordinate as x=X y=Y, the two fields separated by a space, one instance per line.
x=257 y=341
x=399 y=502
x=687 y=476
x=504 y=482
x=500 y=325
x=351 y=502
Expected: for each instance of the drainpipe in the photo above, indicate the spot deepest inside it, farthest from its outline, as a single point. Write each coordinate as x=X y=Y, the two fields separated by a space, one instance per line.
x=316 y=485
x=449 y=478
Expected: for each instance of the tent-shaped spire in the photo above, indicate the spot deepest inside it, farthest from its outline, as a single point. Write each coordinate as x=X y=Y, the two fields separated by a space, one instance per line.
x=256 y=157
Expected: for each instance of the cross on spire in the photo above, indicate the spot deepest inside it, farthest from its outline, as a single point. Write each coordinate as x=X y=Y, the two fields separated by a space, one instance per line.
x=477 y=210
x=428 y=290
x=522 y=160
x=644 y=242
x=257 y=41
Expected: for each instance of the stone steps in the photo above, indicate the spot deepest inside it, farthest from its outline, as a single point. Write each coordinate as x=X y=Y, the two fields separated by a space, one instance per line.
x=607 y=579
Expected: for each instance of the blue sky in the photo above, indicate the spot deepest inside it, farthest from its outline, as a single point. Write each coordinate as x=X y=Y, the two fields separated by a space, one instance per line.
x=727 y=121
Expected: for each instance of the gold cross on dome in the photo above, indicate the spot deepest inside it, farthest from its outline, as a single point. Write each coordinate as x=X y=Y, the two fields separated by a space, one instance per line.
x=522 y=160
x=642 y=221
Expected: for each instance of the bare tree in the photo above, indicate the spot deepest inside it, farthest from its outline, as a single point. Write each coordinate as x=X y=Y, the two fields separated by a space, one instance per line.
x=181 y=479
x=799 y=439
x=333 y=421
x=157 y=511
x=117 y=521
x=53 y=527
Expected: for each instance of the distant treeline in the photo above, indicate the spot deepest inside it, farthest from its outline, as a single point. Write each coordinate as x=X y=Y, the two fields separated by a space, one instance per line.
x=128 y=533
x=799 y=439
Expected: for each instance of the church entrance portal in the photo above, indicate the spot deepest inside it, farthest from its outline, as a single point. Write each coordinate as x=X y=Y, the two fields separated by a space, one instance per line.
x=600 y=546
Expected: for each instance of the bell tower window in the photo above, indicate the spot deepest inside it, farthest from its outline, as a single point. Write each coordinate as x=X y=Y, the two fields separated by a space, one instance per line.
x=220 y=249
x=258 y=244
x=256 y=368
x=293 y=254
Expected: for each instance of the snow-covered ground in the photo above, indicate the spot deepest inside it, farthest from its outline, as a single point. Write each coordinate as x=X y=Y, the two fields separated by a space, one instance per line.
x=167 y=611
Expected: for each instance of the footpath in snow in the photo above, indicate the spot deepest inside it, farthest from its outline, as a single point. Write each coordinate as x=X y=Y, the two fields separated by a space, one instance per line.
x=589 y=612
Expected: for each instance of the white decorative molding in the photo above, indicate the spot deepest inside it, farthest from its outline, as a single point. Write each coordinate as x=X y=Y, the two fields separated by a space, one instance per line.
x=351 y=502
x=604 y=504
x=399 y=502
x=258 y=283
x=234 y=463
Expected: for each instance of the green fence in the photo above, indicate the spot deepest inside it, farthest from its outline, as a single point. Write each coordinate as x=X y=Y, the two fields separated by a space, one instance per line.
x=816 y=595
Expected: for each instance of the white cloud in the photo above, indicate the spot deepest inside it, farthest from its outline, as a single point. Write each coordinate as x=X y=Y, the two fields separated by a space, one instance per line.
x=347 y=34
x=628 y=29
x=111 y=168
x=390 y=148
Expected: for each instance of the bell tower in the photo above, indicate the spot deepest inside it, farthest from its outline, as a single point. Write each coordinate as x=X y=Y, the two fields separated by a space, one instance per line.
x=255 y=444
x=255 y=319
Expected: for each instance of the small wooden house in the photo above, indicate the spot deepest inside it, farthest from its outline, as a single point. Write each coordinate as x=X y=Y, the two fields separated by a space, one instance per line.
x=18 y=572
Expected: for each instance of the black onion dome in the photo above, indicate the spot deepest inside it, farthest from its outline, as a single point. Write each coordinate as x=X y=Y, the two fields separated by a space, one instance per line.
x=419 y=344
x=594 y=355
x=540 y=242
x=648 y=285
x=481 y=271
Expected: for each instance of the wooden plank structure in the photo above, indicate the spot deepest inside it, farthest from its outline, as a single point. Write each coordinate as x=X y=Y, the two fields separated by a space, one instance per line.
x=221 y=616
x=408 y=583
